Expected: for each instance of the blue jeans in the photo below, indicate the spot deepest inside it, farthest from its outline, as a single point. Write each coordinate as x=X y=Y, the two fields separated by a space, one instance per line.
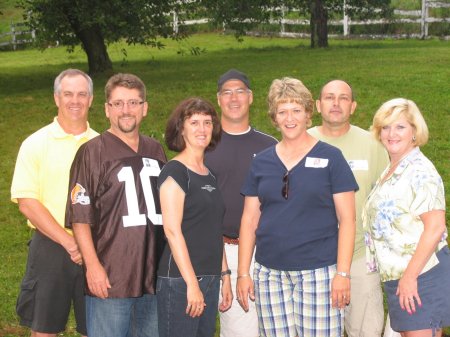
x=122 y=317
x=172 y=301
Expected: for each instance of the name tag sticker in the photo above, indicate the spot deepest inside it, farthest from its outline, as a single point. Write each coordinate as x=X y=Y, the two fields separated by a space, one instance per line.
x=358 y=165
x=148 y=162
x=316 y=162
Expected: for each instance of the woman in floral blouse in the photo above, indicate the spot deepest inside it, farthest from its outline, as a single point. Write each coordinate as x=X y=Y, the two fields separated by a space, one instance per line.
x=404 y=218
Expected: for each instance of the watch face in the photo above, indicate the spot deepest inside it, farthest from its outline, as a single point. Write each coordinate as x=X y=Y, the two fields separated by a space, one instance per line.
x=225 y=272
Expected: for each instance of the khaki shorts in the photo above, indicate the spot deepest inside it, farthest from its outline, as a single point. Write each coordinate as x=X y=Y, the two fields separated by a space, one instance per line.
x=235 y=322
x=364 y=315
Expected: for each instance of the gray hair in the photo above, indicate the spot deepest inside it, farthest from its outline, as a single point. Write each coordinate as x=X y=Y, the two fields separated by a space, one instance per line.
x=72 y=73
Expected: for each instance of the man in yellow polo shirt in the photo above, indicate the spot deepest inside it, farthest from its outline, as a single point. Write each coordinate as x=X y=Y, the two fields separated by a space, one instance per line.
x=54 y=276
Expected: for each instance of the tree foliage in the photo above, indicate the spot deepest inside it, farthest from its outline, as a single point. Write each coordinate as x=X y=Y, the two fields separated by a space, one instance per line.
x=243 y=15
x=321 y=11
x=96 y=23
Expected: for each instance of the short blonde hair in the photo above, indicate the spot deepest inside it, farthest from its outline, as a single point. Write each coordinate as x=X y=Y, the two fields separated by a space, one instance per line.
x=288 y=90
x=392 y=110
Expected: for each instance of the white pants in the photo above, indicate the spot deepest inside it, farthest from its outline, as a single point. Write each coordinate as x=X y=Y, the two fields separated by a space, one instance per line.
x=235 y=322
x=365 y=314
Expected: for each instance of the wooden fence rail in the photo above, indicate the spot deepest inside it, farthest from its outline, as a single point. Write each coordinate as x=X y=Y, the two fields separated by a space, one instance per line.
x=422 y=17
x=19 y=34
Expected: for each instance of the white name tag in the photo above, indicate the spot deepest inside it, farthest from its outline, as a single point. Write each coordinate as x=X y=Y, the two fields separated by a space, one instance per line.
x=358 y=165
x=316 y=162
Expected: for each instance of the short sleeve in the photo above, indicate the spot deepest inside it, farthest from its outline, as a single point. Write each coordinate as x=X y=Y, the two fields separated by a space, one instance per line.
x=342 y=177
x=250 y=188
x=82 y=187
x=25 y=183
x=178 y=172
x=428 y=191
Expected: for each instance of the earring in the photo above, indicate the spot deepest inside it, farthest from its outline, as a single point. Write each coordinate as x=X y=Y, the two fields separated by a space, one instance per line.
x=414 y=138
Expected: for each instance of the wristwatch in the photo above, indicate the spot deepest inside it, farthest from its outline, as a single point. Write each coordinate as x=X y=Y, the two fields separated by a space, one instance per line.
x=343 y=274
x=225 y=272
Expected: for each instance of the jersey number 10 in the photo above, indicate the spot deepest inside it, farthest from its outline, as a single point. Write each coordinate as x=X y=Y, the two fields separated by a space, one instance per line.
x=134 y=218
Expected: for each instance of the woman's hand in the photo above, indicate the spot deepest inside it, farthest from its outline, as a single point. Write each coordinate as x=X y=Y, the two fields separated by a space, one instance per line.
x=195 y=301
x=245 y=290
x=407 y=294
x=434 y=227
x=227 y=294
x=340 y=291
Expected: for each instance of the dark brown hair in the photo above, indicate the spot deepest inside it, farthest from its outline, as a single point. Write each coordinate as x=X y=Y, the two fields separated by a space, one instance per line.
x=128 y=81
x=185 y=110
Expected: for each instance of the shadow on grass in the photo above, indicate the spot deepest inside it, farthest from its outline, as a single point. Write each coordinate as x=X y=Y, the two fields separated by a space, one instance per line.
x=22 y=80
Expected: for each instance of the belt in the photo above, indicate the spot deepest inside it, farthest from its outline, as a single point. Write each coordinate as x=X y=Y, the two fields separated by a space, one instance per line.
x=230 y=241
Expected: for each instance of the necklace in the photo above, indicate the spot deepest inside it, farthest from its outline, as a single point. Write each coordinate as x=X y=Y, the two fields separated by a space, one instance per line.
x=393 y=166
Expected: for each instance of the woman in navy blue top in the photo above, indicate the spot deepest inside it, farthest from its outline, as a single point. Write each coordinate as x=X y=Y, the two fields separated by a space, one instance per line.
x=300 y=214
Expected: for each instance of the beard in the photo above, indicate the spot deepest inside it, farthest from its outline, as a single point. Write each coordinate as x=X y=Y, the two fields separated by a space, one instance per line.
x=128 y=125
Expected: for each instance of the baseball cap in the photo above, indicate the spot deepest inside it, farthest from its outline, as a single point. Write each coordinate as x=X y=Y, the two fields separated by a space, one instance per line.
x=233 y=74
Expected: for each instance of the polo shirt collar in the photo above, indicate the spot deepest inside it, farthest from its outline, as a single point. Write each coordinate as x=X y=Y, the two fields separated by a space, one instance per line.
x=58 y=131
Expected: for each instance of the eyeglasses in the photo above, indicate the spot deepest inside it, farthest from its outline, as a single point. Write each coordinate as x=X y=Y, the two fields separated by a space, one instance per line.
x=132 y=104
x=285 y=188
x=229 y=92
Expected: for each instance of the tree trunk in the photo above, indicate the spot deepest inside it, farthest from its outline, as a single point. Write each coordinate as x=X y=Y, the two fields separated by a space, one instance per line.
x=318 y=24
x=96 y=51
x=93 y=44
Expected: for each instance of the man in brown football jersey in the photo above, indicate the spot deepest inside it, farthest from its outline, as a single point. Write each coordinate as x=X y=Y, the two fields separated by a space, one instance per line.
x=113 y=208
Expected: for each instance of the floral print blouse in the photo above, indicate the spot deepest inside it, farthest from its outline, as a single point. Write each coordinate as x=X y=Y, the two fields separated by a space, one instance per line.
x=391 y=215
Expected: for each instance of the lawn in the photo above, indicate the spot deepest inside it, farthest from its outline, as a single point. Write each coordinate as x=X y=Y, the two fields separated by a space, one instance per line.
x=377 y=70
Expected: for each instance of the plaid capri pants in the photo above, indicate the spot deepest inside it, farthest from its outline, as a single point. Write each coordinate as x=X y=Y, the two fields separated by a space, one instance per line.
x=296 y=303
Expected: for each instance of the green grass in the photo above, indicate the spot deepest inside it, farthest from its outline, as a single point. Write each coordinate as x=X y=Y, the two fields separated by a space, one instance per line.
x=377 y=70
x=10 y=13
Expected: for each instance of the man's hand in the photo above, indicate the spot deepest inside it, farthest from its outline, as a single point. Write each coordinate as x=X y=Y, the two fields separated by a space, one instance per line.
x=70 y=245
x=97 y=280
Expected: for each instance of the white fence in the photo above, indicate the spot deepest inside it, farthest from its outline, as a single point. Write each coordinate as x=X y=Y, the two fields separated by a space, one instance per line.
x=422 y=18
x=19 y=34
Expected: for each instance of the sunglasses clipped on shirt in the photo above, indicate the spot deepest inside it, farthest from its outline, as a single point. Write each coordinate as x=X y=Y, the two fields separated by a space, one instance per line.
x=285 y=188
